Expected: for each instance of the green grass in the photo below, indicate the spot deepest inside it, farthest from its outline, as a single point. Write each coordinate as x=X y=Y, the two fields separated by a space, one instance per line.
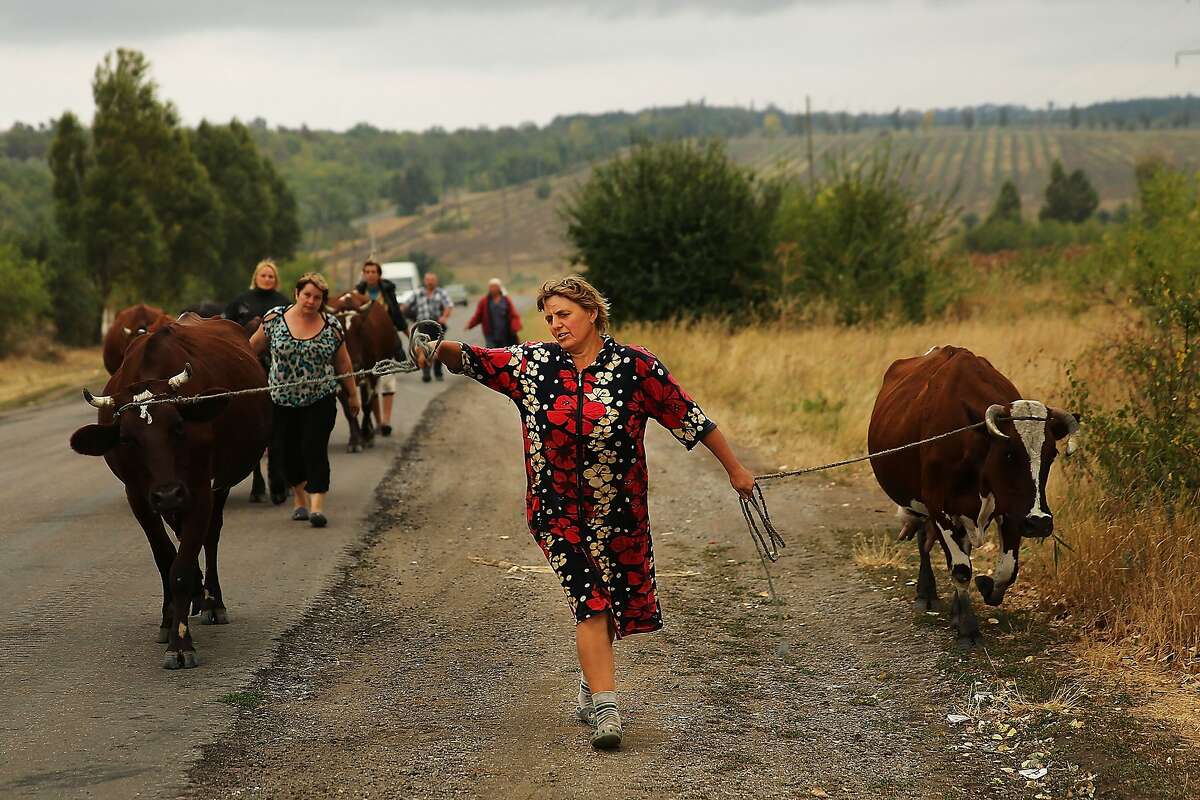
x=247 y=701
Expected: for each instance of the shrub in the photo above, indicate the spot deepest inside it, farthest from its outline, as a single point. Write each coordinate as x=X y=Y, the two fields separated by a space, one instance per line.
x=27 y=297
x=1144 y=447
x=543 y=190
x=864 y=240
x=673 y=229
x=1143 y=406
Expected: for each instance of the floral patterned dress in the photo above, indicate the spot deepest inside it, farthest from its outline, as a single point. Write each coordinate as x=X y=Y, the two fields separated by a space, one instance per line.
x=586 y=465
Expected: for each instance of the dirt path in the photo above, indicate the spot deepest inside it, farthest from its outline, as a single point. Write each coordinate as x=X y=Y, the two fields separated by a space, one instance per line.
x=425 y=673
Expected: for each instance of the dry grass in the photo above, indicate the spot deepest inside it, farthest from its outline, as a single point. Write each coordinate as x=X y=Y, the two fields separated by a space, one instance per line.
x=1131 y=575
x=47 y=372
x=803 y=396
x=878 y=551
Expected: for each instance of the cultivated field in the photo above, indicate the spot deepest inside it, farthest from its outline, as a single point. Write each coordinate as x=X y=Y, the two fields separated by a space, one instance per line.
x=978 y=161
x=515 y=235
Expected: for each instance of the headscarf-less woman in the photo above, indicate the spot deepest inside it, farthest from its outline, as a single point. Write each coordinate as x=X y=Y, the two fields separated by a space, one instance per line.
x=261 y=297
x=306 y=343
x=584 y=399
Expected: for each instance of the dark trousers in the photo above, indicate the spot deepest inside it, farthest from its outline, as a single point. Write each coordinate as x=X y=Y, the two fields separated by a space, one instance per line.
x=301 y=436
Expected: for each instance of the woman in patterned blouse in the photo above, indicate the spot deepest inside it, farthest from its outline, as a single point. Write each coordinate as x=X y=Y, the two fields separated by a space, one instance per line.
x=584 y=399
x=306 y=343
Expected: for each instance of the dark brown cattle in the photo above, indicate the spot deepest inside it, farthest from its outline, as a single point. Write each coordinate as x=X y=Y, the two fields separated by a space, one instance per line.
x=370 y=337
x=128 y=325
x=953 y=489
x=179 y=461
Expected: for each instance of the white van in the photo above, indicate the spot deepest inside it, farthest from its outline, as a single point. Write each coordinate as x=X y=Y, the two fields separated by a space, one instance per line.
x=406 y=277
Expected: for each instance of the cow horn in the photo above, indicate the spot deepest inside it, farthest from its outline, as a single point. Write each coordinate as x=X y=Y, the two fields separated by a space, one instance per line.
x=181 y=378
x=1067 y=419
x=992 y=419
x=103 y=401
x=128 y=331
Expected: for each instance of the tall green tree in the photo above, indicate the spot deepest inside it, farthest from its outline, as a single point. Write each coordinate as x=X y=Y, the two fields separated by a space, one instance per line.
x=138 y=203
x=412 y=188
x=1069 y=198
x=672 y=229
x=1008 y=204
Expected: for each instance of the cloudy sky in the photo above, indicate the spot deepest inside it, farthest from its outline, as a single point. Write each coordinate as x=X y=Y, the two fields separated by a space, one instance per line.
x=415 y=63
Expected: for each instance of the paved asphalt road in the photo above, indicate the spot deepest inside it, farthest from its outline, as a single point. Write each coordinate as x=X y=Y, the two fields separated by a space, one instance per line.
x=86 y=709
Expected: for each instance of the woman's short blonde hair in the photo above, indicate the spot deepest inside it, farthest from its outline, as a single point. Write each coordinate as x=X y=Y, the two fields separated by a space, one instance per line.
x=577 y=290
x=317 y=280
x=269 y=264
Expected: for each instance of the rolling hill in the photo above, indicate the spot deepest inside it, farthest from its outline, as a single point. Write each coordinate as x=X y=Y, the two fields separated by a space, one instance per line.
x=530 y=244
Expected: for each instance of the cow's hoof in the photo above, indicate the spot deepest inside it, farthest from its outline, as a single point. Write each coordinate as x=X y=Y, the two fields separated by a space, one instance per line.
x=354 y=448
x=969 y=639
x=923 y=604
x=214 y=616
x=987 y=589
x=258 y=497
x=181 y=659
x=197 y=606
x=164 y=635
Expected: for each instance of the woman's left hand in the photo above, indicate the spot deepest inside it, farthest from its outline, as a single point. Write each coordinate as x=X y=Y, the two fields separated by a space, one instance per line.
x=742 y=480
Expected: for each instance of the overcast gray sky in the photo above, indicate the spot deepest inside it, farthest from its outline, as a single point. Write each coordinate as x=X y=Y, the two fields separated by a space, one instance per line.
x=410 y=65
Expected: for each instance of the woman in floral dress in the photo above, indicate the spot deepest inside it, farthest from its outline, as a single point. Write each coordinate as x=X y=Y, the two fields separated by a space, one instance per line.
x=584 y=400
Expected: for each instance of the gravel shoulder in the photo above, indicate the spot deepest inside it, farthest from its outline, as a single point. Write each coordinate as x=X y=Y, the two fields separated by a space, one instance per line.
x=435 y=666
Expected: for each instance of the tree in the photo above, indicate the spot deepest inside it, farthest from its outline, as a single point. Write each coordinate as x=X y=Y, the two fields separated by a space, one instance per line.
x=258 y=212
x=26 y=297
x=673 y=229
x=1003 y=117
x=411 y=189
x=1073 y=116
x=1069 y=198
x=1008 y=204
x=864 y=238
x=968 y=118
x=138 y=204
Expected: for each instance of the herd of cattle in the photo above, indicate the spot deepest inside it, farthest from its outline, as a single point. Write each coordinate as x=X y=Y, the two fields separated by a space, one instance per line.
x=179 y=460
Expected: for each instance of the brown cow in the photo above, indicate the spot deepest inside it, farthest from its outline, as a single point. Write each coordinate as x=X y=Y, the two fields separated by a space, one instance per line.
x=179 y=461
x=370 y=338
x=127 y=325
x=956 y=487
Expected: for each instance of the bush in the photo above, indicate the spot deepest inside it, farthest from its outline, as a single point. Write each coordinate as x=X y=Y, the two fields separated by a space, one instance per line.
x=1146 y=447
x=673 y=229
x=27 y=298
x=1143 y=408
x=543 y=190
x=864 y=240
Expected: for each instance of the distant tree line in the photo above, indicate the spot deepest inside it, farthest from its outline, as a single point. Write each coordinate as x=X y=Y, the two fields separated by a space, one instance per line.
x=140 y=208
x=337 y=177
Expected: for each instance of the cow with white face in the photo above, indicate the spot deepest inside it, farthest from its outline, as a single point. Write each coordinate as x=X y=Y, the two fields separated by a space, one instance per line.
x=951 y=491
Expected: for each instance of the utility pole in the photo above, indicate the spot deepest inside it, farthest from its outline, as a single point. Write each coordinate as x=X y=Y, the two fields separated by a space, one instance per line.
x=812 y=175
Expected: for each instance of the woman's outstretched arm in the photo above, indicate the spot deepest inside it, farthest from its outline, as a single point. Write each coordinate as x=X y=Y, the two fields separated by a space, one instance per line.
x=740 y=478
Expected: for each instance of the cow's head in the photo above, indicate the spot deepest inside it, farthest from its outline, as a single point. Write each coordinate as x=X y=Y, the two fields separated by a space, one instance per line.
x=1023 y=443
x=165 y=444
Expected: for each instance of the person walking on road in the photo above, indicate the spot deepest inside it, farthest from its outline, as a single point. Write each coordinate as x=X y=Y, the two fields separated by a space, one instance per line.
x=306 y=343
x=261 y=297
x=584 y=399
x=498 y=315
x=431 y=303
x=376 y=287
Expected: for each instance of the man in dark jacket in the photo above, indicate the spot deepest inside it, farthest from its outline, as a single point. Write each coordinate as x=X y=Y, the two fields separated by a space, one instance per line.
x=375 y=287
